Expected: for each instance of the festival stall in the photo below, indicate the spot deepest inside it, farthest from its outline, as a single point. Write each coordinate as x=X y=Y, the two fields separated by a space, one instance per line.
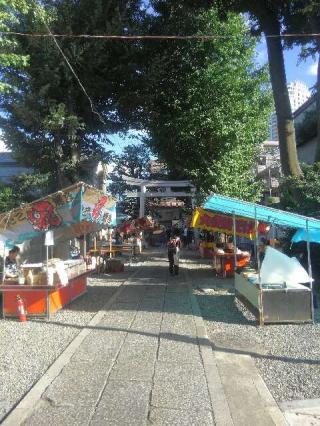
x=106 y=252
x=51 y=283
x=275 y=290
x=223 y=261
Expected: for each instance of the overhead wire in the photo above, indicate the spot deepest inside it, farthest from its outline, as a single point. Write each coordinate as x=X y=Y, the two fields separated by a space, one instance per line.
x=92 y=106
x=152 y=37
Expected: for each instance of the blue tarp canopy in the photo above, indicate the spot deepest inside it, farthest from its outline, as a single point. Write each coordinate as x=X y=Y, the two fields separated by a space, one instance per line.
x=229 y=205
x=301 y=235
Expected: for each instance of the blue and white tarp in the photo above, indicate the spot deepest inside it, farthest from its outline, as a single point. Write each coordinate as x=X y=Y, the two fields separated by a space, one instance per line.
x=246 y=209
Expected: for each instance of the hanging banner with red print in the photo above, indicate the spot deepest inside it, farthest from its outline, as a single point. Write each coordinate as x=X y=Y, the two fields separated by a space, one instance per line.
x=71 y=212
x=212 y=222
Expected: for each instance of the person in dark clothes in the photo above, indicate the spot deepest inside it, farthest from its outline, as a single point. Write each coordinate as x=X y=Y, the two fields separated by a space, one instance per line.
x=262 y=249
x=172 y=256
x=11 y=266
x=168 y=234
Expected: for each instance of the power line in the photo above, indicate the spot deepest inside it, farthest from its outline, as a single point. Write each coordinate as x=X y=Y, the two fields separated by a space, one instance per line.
x=152 y=37
x=93 y=109
x=92 y=106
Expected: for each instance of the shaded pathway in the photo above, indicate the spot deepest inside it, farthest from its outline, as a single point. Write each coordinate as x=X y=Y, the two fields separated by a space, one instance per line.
x=147 y=360
x=140 y=365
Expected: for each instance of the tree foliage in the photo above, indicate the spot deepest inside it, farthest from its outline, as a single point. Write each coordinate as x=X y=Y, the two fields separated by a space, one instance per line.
x=10 y=54
x=134 y=161
x=267 y=17
x=23 y=188
x=49 y=123
x=206 y=102
x=301 y=194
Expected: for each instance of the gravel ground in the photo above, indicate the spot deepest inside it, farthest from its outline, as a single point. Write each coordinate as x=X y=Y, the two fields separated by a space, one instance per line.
x=27 y=350
x=287 y=356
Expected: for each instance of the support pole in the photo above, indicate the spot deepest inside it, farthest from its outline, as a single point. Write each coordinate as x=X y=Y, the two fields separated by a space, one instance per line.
x=234 y=242
x=310 y=268
x=4 y=263
x=47 y=271
x=143 y=190
x=261 y=318
x=110 y=244
x=84 y=245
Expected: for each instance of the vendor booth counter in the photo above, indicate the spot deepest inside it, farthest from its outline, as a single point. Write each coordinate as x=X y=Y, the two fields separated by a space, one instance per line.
x=41 y=299
x=278 y=303
x=223 y=263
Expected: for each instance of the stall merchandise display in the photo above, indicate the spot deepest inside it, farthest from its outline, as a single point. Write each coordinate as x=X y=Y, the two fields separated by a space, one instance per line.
x=43 y=289
x=223 y=263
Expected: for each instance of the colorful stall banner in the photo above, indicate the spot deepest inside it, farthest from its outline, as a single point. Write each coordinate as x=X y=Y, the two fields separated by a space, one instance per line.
x=136 y=225
x=71 y=212
x=202 y=219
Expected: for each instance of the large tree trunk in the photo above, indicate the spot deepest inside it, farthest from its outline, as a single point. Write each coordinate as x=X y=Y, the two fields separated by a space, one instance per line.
x=287 y=138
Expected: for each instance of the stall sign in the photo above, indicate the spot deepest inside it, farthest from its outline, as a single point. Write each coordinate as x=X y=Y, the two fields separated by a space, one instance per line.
x=70 y=212
x=212 y=222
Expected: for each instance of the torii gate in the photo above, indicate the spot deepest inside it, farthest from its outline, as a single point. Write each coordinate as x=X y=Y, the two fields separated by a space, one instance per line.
x=167 y=193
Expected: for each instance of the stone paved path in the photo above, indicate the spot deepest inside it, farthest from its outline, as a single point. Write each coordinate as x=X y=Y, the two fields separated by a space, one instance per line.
x=141 y=365
x=147 y=360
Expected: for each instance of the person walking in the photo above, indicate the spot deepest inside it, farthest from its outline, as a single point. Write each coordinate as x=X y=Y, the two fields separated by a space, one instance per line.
x=173 y=256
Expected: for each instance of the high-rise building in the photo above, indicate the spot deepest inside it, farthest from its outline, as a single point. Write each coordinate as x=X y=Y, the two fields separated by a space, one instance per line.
x=298 y=95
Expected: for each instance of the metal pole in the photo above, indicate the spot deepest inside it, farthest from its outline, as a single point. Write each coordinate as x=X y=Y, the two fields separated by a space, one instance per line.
x=110 y=244
x=261 y=319
x=234 y=242
x=143 y=190
x=4 y=263
x=310 y=268
x=84 y=245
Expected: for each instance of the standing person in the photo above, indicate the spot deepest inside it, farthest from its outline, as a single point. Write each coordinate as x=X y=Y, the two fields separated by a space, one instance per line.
x=189 y=237
x=163 y=239
x=185 y=236
x=11 y=266
x=173 y=256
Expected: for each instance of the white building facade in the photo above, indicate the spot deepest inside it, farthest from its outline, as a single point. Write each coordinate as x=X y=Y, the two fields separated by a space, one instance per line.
x=298 y=95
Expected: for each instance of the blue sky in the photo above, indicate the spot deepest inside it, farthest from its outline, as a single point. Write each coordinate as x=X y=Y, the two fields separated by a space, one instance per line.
x=305 y=71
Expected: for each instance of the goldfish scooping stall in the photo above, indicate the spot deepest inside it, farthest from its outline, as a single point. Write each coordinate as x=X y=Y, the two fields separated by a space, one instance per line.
x=47 y=286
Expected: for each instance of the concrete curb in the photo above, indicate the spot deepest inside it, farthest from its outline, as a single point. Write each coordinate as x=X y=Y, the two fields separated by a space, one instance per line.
x=220 y=406
x=302 y=412
x=26 y=406
x=300 y=404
